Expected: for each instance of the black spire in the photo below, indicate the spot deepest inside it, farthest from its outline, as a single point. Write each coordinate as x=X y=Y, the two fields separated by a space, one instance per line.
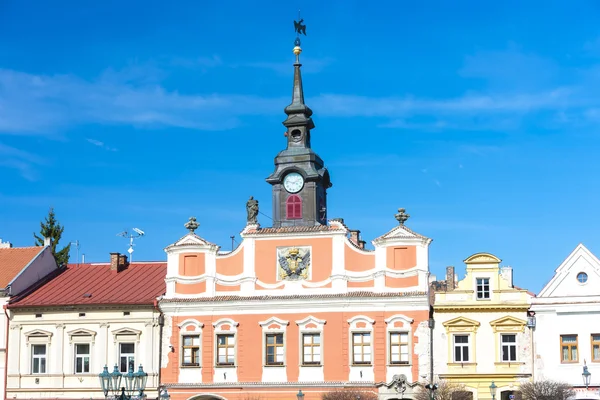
x=298 y=112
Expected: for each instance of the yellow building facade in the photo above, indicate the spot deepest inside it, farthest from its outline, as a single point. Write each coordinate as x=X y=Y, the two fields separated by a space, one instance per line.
x=481 y=334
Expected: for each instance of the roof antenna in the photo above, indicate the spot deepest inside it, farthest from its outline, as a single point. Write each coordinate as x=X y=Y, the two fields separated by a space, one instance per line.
x=76 y=243
x=232 y=240
x=138 y=233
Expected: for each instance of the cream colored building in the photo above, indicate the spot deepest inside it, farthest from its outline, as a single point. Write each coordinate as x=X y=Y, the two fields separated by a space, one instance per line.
x=481 y=334
x=86 y=316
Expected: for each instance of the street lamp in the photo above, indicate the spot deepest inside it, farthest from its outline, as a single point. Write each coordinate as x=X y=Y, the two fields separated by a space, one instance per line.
x=135 y=383
x=300 y=395
x=432 y=387
x=587 y=376
x=493 y=389
x=164 y=394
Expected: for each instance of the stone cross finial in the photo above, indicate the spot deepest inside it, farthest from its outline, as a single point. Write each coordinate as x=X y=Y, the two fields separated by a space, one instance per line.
x=402 y=216
x=191 y=225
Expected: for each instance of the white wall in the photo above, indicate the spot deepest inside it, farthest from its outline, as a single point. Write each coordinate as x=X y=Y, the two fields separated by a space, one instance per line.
x=60 y=380
x=41 y=266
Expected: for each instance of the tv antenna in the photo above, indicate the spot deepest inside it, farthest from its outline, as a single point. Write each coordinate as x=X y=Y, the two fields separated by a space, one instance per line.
x=137 y=233
x=76 y=243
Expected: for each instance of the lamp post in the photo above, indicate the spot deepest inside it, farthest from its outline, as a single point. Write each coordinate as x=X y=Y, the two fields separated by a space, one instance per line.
x=164 y=394
x=493 y=389
x=587 y=376
x=300 y=395
x=134 y=385
x=432 y=387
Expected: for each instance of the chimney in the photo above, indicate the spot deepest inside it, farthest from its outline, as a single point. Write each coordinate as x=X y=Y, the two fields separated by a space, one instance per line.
x=507 y=274
x=47 y=241
x=450 y=278
x=118 y=262
x=361 y=244
x=355 y=236
x=5 y=245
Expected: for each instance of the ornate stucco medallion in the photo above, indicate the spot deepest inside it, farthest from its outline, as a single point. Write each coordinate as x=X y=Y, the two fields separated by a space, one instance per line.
x=293 y=263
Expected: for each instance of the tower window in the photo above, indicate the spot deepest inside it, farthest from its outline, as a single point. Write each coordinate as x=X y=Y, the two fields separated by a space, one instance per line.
x=294 y=207
x=296 y=135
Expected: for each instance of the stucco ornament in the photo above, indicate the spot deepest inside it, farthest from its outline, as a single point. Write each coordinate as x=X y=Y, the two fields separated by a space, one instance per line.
x=293 y=263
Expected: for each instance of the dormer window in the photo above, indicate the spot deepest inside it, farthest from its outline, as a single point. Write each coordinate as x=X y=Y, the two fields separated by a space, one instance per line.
x=483 y=288
x=294 y=207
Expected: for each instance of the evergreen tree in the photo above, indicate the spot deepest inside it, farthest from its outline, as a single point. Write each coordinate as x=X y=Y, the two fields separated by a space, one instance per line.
x=52 y=229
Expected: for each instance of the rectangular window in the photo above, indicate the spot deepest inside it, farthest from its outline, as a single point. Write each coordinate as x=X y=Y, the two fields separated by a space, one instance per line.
x=82 y=358
x=483 y=288
x=509 y=347
x=461 y=348
x=38 y=358
x=398 y=347
x=226 y=349
x=190 y=351
x=596 y=347
x=361 y=346
x=274 y=349
x=568 y=348
x=126 y=357
x=311 y=349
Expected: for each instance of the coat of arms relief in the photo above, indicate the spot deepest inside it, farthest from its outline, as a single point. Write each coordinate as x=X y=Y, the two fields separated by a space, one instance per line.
x=293 y=263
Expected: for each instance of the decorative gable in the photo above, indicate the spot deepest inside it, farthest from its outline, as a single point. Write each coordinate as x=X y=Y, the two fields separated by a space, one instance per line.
x=578 y=275
x=508 y=324
x=483 y=258
x=461 y=324
x=401 y=234
x=274 y=323
x=191 y=241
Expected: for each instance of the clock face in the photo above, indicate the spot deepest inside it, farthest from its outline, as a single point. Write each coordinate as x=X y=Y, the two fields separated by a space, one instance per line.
x=293 y=182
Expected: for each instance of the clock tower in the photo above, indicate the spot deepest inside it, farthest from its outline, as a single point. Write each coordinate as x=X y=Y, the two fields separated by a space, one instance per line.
x=300 y=180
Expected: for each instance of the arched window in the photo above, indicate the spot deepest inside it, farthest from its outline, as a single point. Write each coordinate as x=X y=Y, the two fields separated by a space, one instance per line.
x=293 y=207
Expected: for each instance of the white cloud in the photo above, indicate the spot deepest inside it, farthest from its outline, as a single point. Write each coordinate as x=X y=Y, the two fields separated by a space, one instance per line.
x=100 y=144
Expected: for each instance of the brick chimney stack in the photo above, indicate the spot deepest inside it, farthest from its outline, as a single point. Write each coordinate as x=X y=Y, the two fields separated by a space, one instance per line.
x=355 y=236
x=118 y=262
x=450 y=279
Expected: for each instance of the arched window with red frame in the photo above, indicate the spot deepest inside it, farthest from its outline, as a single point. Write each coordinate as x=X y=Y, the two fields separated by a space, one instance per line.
x=293 y=207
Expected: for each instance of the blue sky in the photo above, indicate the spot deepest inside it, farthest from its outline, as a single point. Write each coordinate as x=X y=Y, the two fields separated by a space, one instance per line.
x=480 y=118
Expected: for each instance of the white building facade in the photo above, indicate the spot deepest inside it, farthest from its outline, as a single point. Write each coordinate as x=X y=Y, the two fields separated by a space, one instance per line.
x=567 y=333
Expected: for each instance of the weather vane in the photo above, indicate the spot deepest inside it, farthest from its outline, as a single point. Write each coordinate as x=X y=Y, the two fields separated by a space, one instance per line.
x=299 y=27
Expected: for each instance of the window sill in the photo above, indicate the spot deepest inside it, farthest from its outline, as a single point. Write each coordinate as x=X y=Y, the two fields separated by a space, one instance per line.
x=361 y=365
x=461 y=364
x=569 y=362
x=399 y=365
x=274 y=366
x=509 y=363
x=225 y=366
x=310 y=365
x=190 y=366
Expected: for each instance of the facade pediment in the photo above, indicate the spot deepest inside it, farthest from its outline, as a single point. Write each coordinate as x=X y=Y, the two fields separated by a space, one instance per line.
x=191 y=240
x=461 y=322
x=483 y=258
x=401 y=232
x=508 y=323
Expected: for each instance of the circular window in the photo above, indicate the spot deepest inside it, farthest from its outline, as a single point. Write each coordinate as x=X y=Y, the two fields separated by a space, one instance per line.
x=582 y=277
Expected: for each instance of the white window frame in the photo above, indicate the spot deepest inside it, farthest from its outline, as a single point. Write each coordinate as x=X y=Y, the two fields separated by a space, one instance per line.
x=273 y=326
x=128 y=355
x=39 y=358
x=81 y=336
x=39 y=337
x=398 y=324
x=489 y=288
x=311 y=326
x=360 y=324
x=225 y=326
x=509 y=345
x=461 y=345
x=126 y=335
x=190 y=327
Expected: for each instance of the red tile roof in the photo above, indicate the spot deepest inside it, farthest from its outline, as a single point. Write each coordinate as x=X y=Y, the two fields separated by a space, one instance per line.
x=95 y=284
x=13 y=260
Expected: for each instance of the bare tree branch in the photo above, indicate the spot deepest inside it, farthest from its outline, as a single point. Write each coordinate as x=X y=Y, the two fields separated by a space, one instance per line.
x=445 y=391
x=349 y=394
x=546 y=390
